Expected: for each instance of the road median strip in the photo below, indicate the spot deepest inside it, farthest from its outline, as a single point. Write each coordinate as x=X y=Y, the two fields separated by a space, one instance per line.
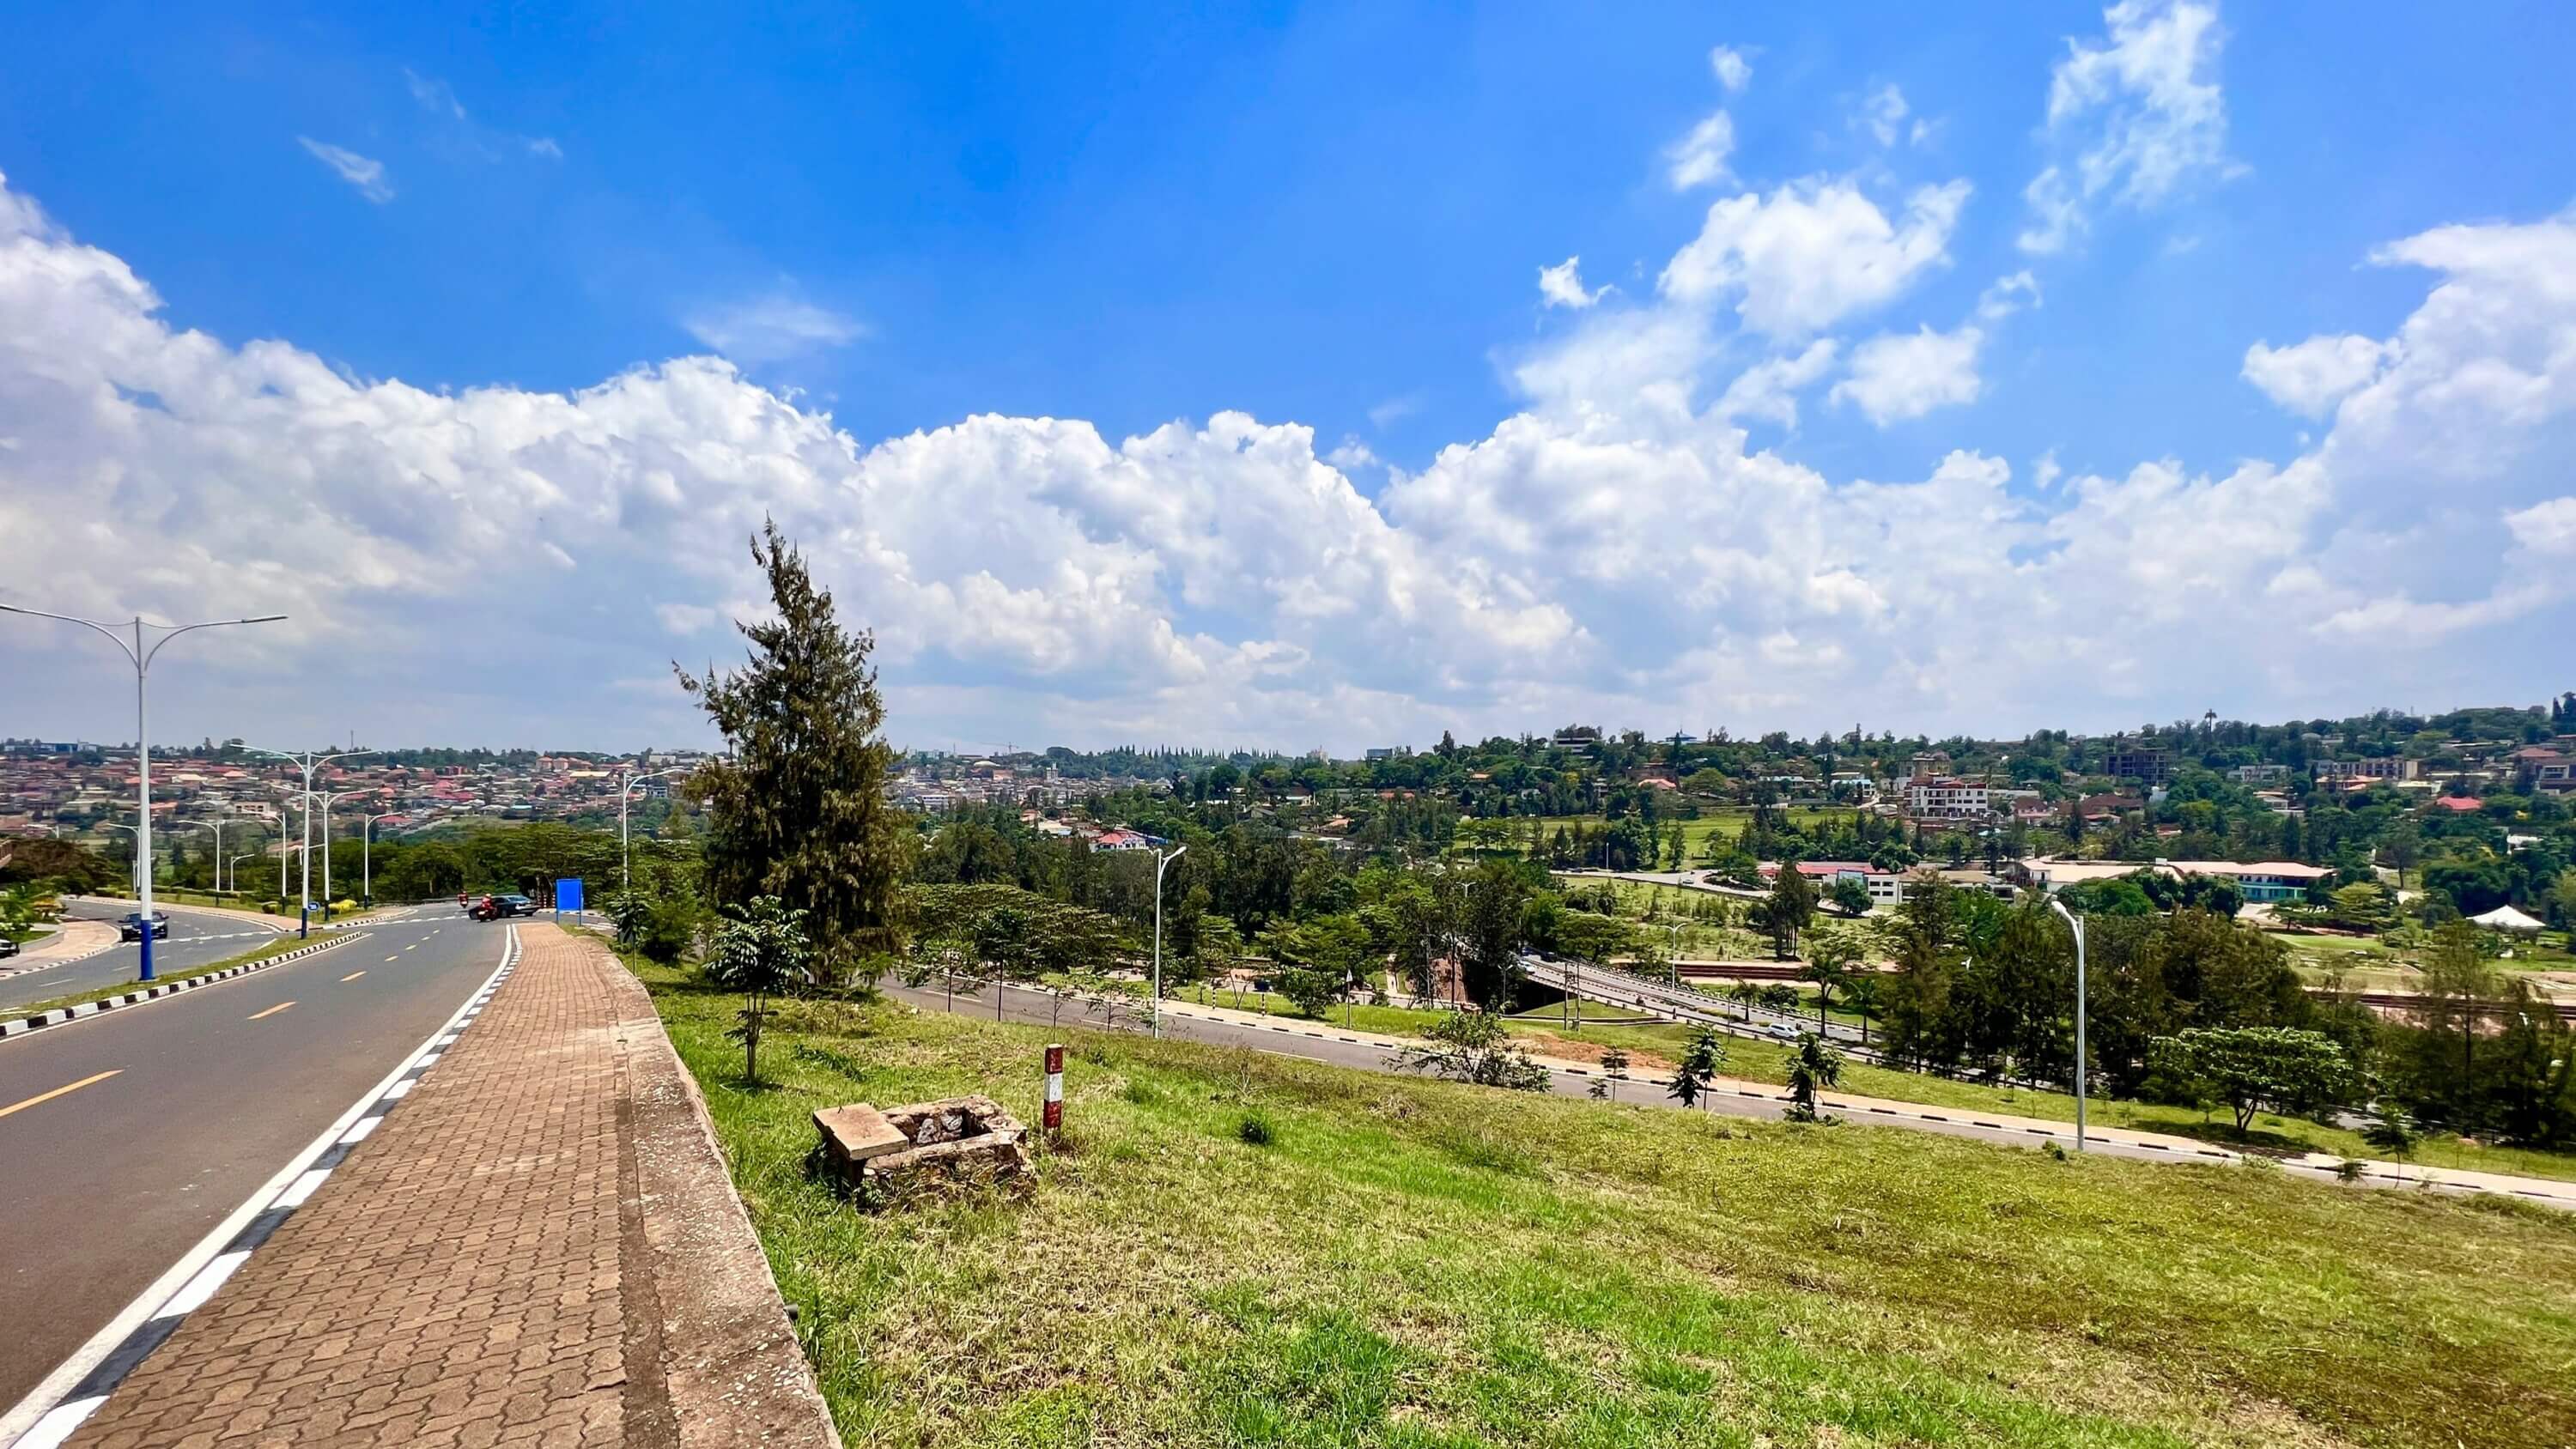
x=26 y=1025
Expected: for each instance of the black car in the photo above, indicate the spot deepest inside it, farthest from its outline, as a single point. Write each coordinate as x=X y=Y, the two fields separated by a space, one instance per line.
x=131 y=927
x=8 y=948
x=492 y=908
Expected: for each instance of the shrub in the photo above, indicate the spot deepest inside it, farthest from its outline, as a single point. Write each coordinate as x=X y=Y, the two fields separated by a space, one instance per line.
x=1256 y=1130
x=1472 y=1046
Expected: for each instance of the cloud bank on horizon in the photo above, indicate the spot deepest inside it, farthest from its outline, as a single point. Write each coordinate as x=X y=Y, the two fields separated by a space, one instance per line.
x=506 y=565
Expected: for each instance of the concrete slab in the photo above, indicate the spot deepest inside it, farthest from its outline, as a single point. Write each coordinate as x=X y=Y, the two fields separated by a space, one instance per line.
x=858 y=1132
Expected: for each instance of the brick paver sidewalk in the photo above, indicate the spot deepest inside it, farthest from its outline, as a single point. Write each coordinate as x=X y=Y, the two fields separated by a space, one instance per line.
x=464 y=1278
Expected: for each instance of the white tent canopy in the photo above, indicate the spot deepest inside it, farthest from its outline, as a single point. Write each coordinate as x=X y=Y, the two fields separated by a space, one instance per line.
x=2506 y=918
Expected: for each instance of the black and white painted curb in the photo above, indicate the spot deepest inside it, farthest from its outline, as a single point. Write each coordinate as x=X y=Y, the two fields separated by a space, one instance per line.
x=48 y=965
x=6 y=973
x=61 y=1014
x=74 y=1391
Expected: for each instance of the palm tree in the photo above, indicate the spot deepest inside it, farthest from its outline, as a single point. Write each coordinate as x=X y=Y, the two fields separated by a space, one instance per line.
x=1813 y=1067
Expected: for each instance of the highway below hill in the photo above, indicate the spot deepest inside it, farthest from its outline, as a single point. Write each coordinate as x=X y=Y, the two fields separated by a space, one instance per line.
x=197 y=937
x=131 y=1135
x=1322 y=1041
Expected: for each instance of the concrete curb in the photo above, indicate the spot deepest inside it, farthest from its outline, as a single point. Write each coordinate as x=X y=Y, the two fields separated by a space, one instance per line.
x=730 y=1360
x=61 y=1014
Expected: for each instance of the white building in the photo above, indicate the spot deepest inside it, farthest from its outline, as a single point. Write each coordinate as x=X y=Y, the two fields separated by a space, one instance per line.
x=1948 y=798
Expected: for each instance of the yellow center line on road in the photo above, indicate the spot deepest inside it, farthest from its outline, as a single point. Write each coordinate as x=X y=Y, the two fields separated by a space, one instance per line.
x=43 y=1097
x=272 y=1011
x=354 y=975
x=414 y=946
x=389 y=957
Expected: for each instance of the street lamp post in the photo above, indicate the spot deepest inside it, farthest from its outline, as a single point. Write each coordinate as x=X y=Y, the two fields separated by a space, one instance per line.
x=136 y=876
x=329 y=799
x=235 y=864
x=367 y=858
x=307 y=762
x=1161 y=862
x=195 y=825
x=141 y=657
x=2075 y=923
x=626 y=791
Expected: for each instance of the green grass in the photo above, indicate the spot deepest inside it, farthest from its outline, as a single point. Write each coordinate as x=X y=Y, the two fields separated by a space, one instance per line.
x=1414 y=1264
x=1659 y=1044
x=1714 y=820
x=278 y=947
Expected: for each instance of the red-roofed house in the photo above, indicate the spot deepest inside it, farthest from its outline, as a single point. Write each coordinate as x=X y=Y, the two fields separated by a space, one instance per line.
x=2460 y=804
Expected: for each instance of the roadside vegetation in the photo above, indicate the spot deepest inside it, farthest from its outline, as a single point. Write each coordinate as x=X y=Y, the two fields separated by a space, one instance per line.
x=1232 y=1248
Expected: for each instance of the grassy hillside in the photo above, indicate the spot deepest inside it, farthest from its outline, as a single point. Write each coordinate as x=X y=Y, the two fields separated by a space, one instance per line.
x=1417 y=1264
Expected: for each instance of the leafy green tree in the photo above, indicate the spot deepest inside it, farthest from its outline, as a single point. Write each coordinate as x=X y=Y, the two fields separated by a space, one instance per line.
x=18 y=911
x=1321 y=958
x=1850 y=895
x=799 y=810
x=1860 y=993
x=2453 y=1001
x=1489 y=931
x=2251 y=1066
x=1701 y=1061
x=2402 y=846
x=1834 y=957
x=1814 y=1066
x=761 y=950
x=1407 y=926
x=1473 y=1046
x=1786 y=911
x=2394 y=1133
x=1214 y=949
x=1614 y=1070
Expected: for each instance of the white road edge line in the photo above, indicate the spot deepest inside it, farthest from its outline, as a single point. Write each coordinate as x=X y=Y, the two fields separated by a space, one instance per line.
x=22 y=1418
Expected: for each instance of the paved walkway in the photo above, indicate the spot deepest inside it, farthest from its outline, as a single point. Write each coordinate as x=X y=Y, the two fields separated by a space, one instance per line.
x=479 y=1271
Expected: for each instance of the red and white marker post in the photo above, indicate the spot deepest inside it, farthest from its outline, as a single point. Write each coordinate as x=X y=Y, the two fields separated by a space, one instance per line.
x=1055 y=1089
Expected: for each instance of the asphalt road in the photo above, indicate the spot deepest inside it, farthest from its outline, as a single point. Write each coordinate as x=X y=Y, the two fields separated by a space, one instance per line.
x=197 y=937
x=1320 y=1042
x=128 y=1136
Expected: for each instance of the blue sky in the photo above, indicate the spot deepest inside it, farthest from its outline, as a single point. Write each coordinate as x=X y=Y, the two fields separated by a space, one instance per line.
x=1331 y=218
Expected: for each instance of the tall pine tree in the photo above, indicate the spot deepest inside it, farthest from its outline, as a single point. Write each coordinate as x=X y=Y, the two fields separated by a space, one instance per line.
x=800 y=810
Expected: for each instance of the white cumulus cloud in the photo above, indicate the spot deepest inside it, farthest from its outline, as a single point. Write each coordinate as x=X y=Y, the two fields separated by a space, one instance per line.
x=2131 y=120
x=1562 y=285
x=1699 y=158
x=1769 y=389
x=1730 y=67
x=1611 y=549
x=2311 y=377
x=1813 y=253
x=1901 y=375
